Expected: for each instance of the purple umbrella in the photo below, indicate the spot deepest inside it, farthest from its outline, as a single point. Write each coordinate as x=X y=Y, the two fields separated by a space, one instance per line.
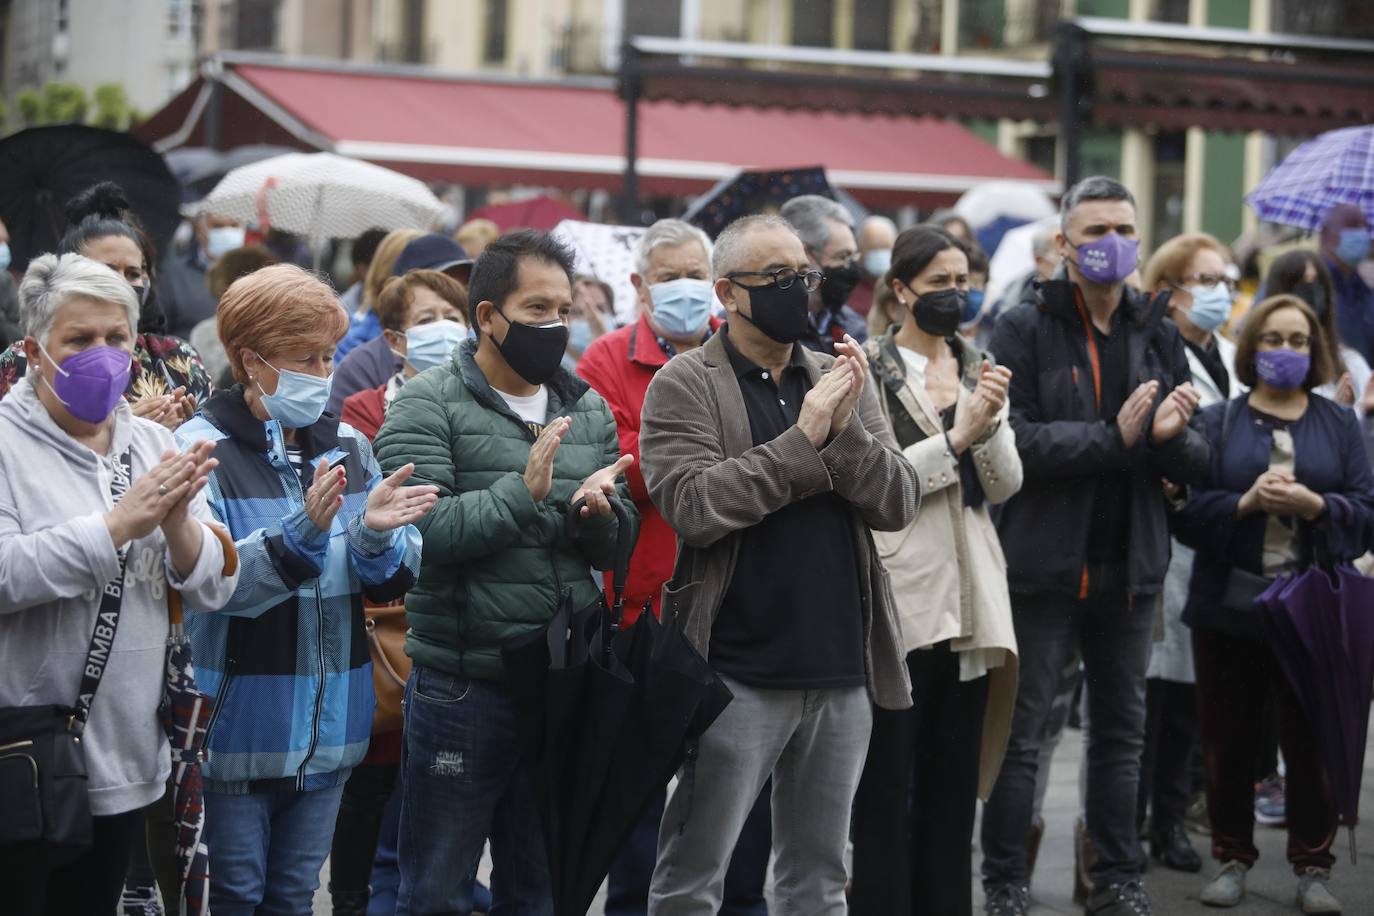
x=1320 y=626
x=1335 y=168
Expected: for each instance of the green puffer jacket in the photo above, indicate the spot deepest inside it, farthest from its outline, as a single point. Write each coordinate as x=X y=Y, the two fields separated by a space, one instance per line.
x=494 y=562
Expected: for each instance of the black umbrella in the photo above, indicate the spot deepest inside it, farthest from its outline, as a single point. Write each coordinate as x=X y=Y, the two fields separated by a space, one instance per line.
x=752 y=192
x=42 y=168
x=605 y=718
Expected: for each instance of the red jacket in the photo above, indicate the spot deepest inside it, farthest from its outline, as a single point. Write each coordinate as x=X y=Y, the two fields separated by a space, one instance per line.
x=365 y=411
x=619 y=366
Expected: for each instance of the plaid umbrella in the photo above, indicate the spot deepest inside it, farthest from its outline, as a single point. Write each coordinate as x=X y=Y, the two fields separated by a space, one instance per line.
x=1320 y=625
x=1335 y=168
x=185 y=713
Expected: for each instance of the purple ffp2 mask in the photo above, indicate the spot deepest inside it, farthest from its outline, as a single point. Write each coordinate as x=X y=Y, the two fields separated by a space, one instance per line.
x=1283 y=369
x=1109 y=259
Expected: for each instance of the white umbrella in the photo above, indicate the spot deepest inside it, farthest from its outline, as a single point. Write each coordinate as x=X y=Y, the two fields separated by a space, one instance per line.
x=1012 y=200
x=607 y=253
x=322 y=196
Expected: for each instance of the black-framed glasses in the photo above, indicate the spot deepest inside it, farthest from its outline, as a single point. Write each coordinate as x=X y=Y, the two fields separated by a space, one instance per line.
x=1296 y=340
x=783 y=277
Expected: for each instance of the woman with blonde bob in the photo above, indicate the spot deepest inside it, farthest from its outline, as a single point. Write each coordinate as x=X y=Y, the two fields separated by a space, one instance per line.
x=1289 y=485
x=100 y=513
x=317 y=529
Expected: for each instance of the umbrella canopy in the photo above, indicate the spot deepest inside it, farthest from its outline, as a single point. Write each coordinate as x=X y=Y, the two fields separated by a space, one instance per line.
x=1320 y=626
x=199 y=168
x=752 y=192
x=604 y=717
x=607 y=253
x=995 y=207
x=1335 y=168
x=42 y=168
x=322 y=196
x=542 y=213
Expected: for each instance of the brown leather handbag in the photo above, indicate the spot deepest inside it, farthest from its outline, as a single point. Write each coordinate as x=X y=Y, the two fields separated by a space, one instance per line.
x=386 y=637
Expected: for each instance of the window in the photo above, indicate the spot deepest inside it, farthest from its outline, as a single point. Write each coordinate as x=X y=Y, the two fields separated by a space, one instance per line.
x=413 y=31
x=1040 y=151
x=1333 y=18
x=873 y=25
x=1170 y=11
x=255 y=25
x=176 y=15
x=813 y=23
x=982 y=25
x=494 y=41
x=1170 y=153
x=925 y=35
x=653 y=17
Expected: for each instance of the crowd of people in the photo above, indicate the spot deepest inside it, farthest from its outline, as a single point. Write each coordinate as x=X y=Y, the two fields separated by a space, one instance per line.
x=906 y=526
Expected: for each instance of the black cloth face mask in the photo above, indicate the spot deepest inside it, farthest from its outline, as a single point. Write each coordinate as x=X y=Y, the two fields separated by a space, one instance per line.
x=1314 y=294
x=838 y=284
x=939 y=313
x=782 y=314
x=534 y=351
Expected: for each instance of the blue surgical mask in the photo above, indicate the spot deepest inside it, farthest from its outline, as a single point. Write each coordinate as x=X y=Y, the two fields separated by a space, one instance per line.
x=1353 y=246
x=972 y=307
x=223 y=239
x=4 y=255
x=300 y=398
x=430 y=345
x=1211 y=306
x=682 y=307
x=877 y=262
x=580 y=334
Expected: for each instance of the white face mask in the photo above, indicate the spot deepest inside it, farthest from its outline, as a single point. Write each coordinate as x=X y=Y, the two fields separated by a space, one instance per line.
x=223 y=239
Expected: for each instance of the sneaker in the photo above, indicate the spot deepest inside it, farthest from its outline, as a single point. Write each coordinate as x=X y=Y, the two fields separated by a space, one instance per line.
x=1269 y=802
x=1195 y=818
x=1313 y=897
x=1125 y=899
x=144 y=901
x=1006 y=900
x=1228 y=887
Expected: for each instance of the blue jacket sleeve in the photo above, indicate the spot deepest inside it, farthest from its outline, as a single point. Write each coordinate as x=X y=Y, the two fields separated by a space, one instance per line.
x=386 y=562
x=1347 y=530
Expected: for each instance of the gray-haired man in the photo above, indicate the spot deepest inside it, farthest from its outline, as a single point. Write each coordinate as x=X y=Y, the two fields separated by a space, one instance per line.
x=826 y=229
x=772 y=463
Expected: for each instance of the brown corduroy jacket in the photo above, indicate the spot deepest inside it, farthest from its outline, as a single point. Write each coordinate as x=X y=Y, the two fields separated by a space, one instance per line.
x=711 y=482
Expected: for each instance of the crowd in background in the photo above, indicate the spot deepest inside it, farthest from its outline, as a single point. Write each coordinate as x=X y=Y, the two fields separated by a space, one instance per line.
x=909 y=528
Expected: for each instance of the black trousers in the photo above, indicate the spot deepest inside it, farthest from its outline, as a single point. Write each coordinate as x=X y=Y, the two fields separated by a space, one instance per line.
x=356 y=830
x=1171 y=736
x=917 y=798
x=36 y=885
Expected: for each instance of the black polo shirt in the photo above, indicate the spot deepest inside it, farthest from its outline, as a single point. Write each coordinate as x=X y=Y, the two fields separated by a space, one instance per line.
x=791 y=618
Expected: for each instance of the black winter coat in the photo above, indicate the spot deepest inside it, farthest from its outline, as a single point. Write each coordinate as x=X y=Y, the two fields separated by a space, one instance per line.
x=1065 y=445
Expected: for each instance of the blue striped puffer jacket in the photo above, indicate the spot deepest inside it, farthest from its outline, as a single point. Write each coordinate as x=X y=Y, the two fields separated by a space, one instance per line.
x=287 y=658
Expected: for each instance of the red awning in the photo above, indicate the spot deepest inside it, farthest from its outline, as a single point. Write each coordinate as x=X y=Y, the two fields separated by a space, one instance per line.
x=571 y=135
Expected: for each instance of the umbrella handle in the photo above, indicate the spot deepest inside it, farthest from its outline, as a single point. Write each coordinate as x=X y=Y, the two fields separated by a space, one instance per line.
x=624 y=546
x=176 y=611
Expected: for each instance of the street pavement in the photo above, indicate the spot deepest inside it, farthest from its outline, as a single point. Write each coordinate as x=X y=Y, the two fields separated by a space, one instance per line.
x=1271 y=883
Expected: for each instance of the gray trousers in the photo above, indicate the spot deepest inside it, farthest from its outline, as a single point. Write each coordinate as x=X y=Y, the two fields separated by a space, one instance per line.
x=813 y=744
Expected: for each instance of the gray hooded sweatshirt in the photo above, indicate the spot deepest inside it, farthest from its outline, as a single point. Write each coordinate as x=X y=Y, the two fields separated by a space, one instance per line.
x=56 y=556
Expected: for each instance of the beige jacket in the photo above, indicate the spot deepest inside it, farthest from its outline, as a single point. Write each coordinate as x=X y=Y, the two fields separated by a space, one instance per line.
x=710 y=482
x=948 y=575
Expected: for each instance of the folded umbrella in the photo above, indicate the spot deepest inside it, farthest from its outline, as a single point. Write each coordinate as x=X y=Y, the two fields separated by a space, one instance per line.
x=1320 y=626
x=605 y=718
x=1334 y=168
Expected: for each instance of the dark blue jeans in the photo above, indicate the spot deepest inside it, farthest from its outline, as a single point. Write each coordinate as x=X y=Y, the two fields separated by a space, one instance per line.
x=627 y=890
x=1114 y=633
x=460 y=785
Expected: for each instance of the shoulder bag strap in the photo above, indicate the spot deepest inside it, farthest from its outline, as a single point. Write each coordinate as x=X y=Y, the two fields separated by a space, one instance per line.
x=107 y=618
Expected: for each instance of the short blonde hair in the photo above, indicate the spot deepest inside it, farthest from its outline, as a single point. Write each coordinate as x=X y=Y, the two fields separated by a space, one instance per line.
x=476 y=234
x=384 y=262
x=275 y=309
x=1170 y=262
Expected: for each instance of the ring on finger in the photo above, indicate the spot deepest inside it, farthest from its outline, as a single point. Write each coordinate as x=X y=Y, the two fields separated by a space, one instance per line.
x=162 y=489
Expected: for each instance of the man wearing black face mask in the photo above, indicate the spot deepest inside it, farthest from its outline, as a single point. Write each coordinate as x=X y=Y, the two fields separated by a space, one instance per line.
x=827 y=231
x=773 y=464
x=485 y=429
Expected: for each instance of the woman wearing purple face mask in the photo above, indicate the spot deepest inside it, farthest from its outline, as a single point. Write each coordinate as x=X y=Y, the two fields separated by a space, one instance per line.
x=1289 y=485
x=100 y=514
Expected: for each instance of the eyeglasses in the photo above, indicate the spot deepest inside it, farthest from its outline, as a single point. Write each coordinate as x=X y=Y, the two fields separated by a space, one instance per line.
x=783 y=278
x=1275 y=339
x=1208 y=281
